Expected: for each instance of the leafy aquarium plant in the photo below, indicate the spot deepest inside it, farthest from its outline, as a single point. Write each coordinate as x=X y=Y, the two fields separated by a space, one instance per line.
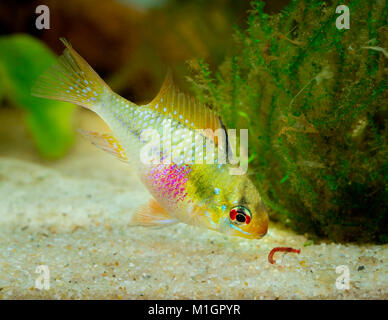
x=22 y=59
x=314 y=98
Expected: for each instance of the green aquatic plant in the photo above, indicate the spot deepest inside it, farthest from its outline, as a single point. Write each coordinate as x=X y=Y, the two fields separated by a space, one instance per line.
x=22 y=60
x=314 y=99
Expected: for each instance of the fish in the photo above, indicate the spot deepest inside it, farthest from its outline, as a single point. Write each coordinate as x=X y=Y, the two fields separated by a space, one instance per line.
x=183 y=189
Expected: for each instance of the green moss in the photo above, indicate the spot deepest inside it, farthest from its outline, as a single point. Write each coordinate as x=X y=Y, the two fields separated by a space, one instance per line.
x=315 y=102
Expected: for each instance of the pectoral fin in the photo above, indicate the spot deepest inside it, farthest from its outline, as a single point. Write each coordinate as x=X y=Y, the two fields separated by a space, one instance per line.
x=152 y=214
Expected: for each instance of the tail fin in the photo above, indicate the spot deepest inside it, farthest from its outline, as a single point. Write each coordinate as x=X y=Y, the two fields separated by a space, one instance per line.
x=71 y=79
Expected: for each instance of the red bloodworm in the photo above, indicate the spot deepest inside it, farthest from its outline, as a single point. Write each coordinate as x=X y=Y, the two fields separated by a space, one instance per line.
x=280 y=249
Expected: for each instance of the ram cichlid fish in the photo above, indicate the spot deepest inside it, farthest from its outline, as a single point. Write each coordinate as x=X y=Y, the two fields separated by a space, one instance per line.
x=184 y=190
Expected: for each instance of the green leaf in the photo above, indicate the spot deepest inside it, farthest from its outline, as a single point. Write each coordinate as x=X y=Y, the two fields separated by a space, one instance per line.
x=22 y=60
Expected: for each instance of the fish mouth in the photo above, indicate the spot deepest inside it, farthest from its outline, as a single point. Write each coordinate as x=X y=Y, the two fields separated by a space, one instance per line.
x=261 y=235
x=263 y=230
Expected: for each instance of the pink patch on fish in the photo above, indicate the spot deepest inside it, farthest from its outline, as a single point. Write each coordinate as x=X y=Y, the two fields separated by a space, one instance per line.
x=170 y=180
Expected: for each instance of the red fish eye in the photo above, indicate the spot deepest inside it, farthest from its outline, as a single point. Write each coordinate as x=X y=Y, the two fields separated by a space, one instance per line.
x=240 y=215
x=233 y=214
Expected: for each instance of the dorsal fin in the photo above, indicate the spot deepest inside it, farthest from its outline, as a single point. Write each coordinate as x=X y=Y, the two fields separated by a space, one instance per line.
x=184 y=108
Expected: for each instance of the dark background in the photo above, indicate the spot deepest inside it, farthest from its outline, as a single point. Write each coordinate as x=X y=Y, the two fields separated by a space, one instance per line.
x=130 y=43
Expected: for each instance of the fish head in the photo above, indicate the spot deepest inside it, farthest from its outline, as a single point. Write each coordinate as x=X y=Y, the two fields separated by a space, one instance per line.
x=245 y=215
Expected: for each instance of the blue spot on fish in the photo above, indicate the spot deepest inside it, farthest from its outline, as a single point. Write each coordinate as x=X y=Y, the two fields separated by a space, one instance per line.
x=238 y=229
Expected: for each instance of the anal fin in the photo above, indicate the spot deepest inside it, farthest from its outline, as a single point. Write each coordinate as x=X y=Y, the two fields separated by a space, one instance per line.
x=152 y=214
x=106 y=142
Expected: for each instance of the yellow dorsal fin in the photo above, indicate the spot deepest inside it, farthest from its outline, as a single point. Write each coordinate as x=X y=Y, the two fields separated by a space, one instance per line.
x=184 y=108
x=106 y=142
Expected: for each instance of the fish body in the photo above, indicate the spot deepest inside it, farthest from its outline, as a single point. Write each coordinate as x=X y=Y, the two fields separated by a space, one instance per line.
x=186 y=186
